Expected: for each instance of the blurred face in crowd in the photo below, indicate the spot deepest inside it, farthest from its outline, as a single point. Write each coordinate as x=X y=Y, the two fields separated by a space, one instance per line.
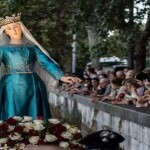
x=103 y=83
x=125 y=70
x=95 y=83
x=130 y=74
x=101 y=76
x=120 y=74
x=111 y=76
x=114 y=86
x=140 y=83
x=131 y=84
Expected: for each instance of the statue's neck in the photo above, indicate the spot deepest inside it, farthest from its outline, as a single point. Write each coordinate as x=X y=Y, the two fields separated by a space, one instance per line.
x=16 y=41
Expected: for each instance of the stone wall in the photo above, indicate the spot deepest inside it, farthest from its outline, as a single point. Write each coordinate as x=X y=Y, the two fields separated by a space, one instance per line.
x=133 y=123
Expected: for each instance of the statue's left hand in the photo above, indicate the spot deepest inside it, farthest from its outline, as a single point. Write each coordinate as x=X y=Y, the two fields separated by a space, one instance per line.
x=70 y=80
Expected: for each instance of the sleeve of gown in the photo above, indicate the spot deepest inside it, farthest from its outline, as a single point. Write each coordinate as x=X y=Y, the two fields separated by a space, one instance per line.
x=0 y=54
x=48 y=64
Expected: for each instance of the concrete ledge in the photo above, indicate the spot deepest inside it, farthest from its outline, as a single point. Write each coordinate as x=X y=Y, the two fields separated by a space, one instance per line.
x=139 y=116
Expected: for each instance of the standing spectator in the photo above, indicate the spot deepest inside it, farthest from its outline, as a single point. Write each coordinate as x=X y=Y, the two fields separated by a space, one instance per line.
x=142 y=78
x=120 y=74
x=130 y=74
x=103 y=84
x=91 y=73
x=116 y=84
x=95 y=84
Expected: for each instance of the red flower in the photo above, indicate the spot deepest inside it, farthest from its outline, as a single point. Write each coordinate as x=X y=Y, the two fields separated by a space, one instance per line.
x=78 y=136
x=40 y=118
x=59 y=138
x=4 y=134
x=3 y=127
x=58 y=129
x=77 y=147
x=18 y=129
x=32 y=133
x=11 y=143
x=11 y=121
x=41 y=142
x=26 y=142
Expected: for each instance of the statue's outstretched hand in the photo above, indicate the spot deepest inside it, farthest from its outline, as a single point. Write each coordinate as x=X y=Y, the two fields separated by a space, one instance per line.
x=70 y=80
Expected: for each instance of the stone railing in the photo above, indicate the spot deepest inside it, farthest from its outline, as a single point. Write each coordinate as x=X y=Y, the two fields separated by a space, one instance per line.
x=133 y=123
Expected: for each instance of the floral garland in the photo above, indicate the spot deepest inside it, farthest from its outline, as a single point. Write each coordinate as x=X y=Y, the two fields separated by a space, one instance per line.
x=18 y=132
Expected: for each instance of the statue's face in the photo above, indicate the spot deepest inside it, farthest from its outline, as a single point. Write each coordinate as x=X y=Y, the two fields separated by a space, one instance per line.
x=13 y=30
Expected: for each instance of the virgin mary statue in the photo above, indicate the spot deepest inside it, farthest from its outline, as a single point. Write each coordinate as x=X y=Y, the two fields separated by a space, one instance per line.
x=22 y=92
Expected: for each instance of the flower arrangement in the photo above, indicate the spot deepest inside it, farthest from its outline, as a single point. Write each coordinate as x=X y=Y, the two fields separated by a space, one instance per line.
x=18 y=132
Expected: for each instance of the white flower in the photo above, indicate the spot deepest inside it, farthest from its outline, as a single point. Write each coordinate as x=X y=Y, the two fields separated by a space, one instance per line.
x=1 y=122
x=15 y=136
x=73 y=130
x=17 y=118
x=64 y=144
x=27 y=119
x=67 y=125
x=29 y=125
x=26 y=130
x=74 y=142
x=3 y=140
x=38 y=121
x=54 y=121
x=34 y=140
x=50 y=138
x=21 y=124
x=66 y=135
x=20 y=146
x=11 y=128
x=38 y=127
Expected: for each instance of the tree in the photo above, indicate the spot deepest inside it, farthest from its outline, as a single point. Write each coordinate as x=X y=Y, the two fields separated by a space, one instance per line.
x=112 y=15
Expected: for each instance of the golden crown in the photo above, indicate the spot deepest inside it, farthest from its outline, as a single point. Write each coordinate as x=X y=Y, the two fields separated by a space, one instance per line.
x=10 y=19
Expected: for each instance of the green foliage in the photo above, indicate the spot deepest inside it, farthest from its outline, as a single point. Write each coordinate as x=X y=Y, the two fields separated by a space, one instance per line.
x=112 y=15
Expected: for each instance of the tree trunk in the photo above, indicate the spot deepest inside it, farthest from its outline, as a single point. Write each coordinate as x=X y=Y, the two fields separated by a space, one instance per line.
x=140 y=47
x=131 y=44
x=131 y=54
x=140 y=55
x=92 y=36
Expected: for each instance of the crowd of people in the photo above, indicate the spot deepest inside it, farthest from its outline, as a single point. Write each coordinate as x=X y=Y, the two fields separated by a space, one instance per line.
x=122 y=87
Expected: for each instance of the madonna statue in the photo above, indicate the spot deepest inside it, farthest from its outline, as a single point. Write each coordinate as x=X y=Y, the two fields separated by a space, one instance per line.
x=22 y=92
